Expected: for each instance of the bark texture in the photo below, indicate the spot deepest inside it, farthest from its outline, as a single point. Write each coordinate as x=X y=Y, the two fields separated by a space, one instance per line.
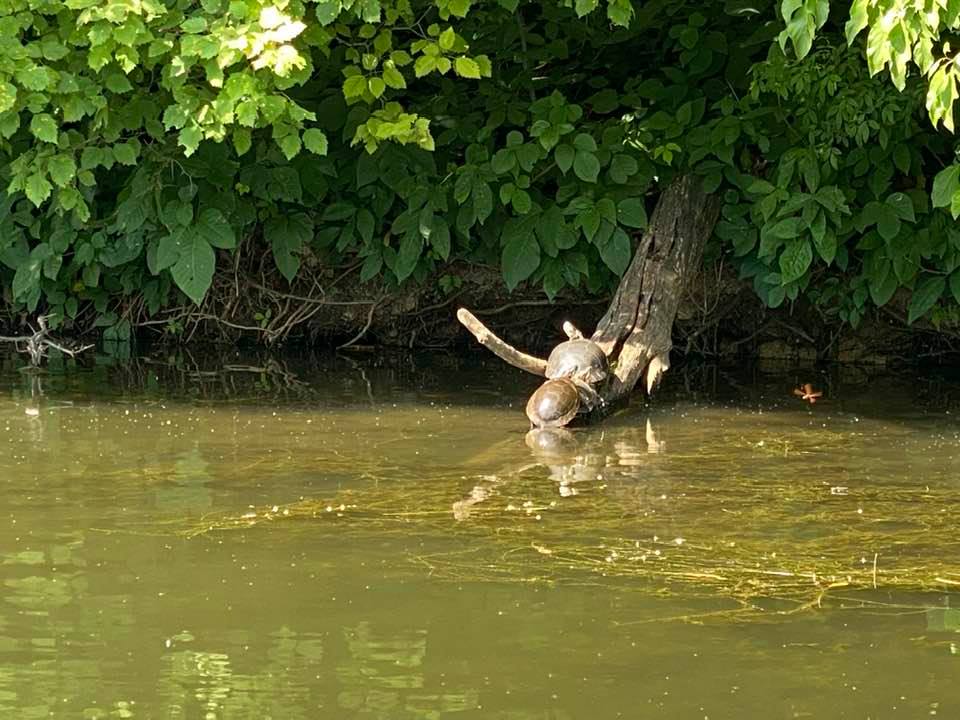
x=636 y=329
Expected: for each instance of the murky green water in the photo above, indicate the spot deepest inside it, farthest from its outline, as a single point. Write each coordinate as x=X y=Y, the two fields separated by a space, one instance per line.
x=447 y=570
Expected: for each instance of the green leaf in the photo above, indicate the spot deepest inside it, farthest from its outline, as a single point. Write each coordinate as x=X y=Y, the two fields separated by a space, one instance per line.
x=193 y=271
x=711 y=181
x=519 y=260
x=8 y=96
x=482 y=201
x=888 y=224
x=393 y=78
x=858 y=20
x=467 y=67
x=38 y=189
x=521 y=201
x=335 y=212
x=328 y=11
x=589 y=221
x=761 y=187
x=189 y=139
x=169 y=249
x=62 y=169
x=955 y=285
x=616 y=251
x=175 y=116
x=786 y=229
x=354 y=86
x=242 y=140
x=447 y=38
x=376 y=86
x=901 y=158
x=503 y=161
x=213 y=227
x=371 y=267
x=411 y=247
x=550 y=225
x=585 y=142
x=44 y=127
x=925 y=296
x=125 y=153
x=315 y=141
x=586 y=166
x=365 y=225
x=195 y=24
x=184 y=214
x=945 y=184
x=564 y=154
x=903 y=206
x=440 y=237
x=585 y=7
x=27 y=277
x=287 y=234
x=424 y=65
x=883 y=287
x=117 y=83
x=289 y=144
x=622 y=168
x=795 y=260
x=826 y=245
x=632 y=212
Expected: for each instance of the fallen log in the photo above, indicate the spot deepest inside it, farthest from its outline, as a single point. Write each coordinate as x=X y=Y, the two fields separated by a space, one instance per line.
x=636 y=331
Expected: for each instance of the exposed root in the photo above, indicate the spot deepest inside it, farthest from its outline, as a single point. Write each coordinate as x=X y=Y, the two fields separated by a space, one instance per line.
x=39 y=343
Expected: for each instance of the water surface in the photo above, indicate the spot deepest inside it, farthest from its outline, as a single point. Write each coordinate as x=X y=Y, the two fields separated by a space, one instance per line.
x=374 y=538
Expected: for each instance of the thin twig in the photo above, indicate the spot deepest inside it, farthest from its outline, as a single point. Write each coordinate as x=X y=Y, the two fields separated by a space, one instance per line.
x=366 y=327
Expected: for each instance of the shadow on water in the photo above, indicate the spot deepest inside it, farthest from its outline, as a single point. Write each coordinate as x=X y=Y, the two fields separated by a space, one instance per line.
x=380 y=536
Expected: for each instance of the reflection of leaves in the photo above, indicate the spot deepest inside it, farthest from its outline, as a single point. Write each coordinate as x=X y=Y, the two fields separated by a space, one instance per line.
x=943 y=619
x=381 y=662
x=190 y=476
x=26 y=557
x=38 y=592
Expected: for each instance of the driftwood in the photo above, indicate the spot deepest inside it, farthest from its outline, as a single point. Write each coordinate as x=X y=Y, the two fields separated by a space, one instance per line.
x=636 y=331
x=498 y=347
x=39 y=343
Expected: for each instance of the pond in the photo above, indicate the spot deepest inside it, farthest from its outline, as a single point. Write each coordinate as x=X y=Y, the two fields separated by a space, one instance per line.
x=369 y=536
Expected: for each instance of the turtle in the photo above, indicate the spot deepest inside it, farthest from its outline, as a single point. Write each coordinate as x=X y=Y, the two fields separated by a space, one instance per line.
x=578 y=359
x=554 y=404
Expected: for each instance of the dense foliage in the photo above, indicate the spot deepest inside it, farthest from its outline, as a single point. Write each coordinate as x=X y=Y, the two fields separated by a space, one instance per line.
x=147 y=143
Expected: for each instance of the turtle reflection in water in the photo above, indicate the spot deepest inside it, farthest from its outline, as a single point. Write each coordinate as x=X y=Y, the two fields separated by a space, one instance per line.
x=574 y=368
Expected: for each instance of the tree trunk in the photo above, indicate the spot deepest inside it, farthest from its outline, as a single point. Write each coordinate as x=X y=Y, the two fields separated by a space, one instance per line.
x=635 y=332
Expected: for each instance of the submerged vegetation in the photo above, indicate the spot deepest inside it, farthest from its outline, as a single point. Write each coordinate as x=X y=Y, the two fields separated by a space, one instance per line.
x=698 y=524
x=248 y=163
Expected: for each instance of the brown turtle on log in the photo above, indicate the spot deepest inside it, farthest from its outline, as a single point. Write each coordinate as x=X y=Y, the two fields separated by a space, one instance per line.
x=573 y=370
x=553 y=404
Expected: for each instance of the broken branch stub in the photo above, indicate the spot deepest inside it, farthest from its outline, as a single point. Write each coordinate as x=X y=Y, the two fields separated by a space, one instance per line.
x=636 y=331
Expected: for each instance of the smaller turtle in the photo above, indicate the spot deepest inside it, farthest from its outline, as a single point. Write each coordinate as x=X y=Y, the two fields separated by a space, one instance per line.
x=554 y=404
x=579 y=359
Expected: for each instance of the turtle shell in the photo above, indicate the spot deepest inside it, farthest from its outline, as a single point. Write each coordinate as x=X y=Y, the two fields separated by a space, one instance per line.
x=554 y=403
x=581 y=359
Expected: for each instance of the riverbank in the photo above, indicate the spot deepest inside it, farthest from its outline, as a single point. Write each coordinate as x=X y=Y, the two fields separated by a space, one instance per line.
x=720 y=318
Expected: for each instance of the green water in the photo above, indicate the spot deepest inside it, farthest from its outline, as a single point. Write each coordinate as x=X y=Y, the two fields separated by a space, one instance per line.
x=458 y=604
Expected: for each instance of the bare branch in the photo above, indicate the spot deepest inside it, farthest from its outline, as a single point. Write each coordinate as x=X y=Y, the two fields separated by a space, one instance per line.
x=37 y=344
x=498 y=347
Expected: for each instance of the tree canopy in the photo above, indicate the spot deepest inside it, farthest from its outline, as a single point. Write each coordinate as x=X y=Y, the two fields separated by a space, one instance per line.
x=147 y=142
